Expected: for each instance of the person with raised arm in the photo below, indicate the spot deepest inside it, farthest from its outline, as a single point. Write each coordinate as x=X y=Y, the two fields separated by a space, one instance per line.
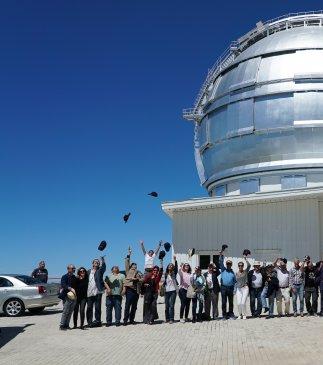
x=132 y=285
x=171 y=289
x=94 y=292
x=150 y=256
x=283 y=293
x=242 y=287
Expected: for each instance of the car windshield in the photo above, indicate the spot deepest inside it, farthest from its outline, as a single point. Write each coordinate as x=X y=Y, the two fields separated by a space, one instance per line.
x=27 y=279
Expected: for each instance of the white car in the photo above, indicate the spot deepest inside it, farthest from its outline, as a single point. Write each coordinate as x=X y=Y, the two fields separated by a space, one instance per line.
x=21 y=292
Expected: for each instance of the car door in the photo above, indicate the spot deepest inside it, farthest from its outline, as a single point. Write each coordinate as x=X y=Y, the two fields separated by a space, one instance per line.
x=6 y=288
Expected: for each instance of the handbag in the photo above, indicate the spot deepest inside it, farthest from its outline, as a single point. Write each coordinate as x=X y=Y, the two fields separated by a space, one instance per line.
x=162 y=291
x=190 y=294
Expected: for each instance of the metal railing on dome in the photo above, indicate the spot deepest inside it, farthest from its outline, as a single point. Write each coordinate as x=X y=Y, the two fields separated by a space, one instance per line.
x=262 y=30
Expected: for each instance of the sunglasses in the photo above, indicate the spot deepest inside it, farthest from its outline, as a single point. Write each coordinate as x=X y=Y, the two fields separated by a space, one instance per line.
x=82 y=271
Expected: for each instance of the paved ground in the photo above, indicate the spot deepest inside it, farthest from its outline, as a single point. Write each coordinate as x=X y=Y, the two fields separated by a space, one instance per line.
x=36 y=340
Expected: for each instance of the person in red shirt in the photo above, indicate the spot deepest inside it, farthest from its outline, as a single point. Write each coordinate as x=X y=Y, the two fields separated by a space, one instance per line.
x=150 y=287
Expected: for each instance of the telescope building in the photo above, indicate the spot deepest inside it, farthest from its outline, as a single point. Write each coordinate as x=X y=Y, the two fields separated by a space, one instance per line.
x=258 y=142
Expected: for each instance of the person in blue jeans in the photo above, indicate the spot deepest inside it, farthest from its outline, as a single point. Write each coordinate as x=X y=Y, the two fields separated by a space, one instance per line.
x=114 y=287
x=228 y=281
x=296 y=284
x=171 y=288
x=256 y=284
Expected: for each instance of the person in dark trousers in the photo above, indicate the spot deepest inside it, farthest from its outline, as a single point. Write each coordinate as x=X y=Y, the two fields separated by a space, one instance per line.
x=171 y=288
x=81 y=296
x=319 y=283
x=40 y=273
x=185 y=281
x=198 y=283
x=310 y=289
x=114 y=288
x=228 y=281
x=212 y=290
x=272 y=283
x=68 y=295
x=95 y=291
x=132 y=286
x=256 y=283
x=150 y=289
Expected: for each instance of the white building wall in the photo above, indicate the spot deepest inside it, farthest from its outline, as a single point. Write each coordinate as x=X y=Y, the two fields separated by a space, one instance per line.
x=270 y=229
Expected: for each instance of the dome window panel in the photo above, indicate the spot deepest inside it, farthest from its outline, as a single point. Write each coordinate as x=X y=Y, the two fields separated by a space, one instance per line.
x=240 y=118
x=246 y=74
x=227 y=80
x=277 y=67
x=249 y=186
x=220 y=191
x=203 y=131
x=218 y=124
x=293 y=182
x=274 y=111
x=308 y=109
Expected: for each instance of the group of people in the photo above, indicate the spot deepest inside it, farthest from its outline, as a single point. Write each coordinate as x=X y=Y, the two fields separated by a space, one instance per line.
x=82 y=293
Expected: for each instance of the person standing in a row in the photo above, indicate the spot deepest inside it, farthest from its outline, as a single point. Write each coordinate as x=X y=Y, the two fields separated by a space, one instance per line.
x=114 y=288
x=185 y=273
x=68 y=295
x=242 y=287
x=296 y=284
x=311 y=290
x=228 y=281
x=81 y=296
x=256 y=285
x=171 y=288
x=198 y=283
x=212 y=290
x=132 y=287
x=95 y=291
x=283 y=292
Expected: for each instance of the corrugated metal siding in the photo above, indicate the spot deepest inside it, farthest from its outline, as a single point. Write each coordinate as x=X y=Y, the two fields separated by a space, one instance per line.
x=287 y=228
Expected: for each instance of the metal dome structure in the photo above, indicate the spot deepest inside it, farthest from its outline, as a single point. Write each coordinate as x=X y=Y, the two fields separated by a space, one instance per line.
x=259 y=114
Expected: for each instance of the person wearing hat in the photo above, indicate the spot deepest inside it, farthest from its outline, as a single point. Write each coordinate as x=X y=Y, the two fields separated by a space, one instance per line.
x=212 y=287
x=150 y=289
x=198 y=283
x=296 y=284
x=272 y=285
x=256 y=283
x=150 y=256
x=68 y=295
x=40 y=273
x=228 y=281
x=283 y=292
x=132 y=286
x=94 y=292
x=171 y=289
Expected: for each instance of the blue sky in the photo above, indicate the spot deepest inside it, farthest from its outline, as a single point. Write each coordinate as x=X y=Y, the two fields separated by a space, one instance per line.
x=91 y=101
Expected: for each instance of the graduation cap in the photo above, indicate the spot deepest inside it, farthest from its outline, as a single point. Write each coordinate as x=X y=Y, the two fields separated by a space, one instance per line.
x=154 y=194
x=224 y=247
x=162 y=254
x=167 y=246
x=284 y=261
x=246 y=252
x=102 y=245
x=191 y=252
x=126 y=217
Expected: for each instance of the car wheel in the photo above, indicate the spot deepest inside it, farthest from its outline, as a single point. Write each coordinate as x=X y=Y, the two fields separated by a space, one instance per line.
x=14 y=307
x=36 y=310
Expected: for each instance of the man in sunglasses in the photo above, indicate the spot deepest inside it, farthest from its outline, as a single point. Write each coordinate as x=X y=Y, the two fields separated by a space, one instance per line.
x=68 y=295
x=228 y=281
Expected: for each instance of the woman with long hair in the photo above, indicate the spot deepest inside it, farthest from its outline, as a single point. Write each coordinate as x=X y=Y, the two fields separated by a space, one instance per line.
x=242 y=287
x=185 y=281
x=150 y=288
x=171 y=288
x=81 y=296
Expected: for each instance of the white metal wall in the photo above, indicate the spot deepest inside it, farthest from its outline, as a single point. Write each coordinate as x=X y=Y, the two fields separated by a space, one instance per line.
x=271 y=229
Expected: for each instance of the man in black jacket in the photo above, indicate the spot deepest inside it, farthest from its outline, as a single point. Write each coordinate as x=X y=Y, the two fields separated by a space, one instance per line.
x=95 y=291
x=68 y=284
x=212 y=291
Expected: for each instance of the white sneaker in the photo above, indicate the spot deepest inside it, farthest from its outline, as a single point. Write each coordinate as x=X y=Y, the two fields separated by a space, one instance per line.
x=244 y=317
x=182 y=320
x=239 y=317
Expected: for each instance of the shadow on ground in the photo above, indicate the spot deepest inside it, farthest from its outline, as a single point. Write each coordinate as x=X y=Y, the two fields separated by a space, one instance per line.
x=9 y=333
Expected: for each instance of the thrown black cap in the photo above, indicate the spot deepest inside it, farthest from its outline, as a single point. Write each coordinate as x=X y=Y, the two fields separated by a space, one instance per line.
x=126 y=217
x=246 y=252
x=102 y=245
x=154 y=194
x=191 y=252
x=167 y=246
x=162 y=254
x=224 y=247
x=284 y=261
